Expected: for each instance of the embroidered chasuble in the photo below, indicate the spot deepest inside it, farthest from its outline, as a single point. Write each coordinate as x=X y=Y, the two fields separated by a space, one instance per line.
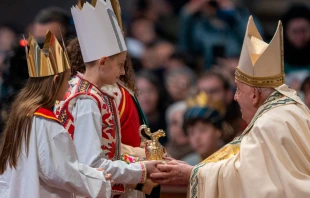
x=270 y=159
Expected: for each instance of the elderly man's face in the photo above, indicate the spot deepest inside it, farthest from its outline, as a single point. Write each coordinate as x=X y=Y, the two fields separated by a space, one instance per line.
x=245 y=97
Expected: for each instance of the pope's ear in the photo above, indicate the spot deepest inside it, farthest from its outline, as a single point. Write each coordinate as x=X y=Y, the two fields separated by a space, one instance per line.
x=256 y=95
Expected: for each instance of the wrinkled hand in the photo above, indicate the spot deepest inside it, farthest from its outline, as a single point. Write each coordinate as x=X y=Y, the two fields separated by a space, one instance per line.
x=151 y=167
x=106 y=176
x=173 y=173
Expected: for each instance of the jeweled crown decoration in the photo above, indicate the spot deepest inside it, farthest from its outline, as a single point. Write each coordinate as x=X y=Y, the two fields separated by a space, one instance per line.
x=204 y=101
x=98 y=29
x=50 y=60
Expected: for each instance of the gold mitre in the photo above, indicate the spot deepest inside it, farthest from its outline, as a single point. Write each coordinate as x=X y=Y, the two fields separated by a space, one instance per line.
x=261 y=64
x=50 y=60
x=204 y=101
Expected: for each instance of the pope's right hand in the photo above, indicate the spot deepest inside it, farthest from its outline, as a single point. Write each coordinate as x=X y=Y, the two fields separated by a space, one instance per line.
x=174 y=172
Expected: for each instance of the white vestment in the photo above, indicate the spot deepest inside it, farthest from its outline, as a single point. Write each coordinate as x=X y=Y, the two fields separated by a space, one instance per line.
x=87 y=139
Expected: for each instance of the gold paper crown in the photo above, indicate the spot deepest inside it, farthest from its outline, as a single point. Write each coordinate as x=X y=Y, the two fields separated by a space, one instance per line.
x=261 y=64
x=118 y=12
x=202 y=100
x=50 y=60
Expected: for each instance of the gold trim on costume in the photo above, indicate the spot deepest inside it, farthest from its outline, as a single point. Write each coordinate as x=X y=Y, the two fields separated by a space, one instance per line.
x=269 y=81
x=124 y=102
x=226 y=152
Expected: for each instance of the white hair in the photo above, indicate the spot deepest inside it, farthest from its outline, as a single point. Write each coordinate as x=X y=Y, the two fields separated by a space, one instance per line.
x=177 y=106
x=265 y=91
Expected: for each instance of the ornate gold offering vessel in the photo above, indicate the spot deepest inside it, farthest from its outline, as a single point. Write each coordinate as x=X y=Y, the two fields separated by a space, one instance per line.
x=153 y=149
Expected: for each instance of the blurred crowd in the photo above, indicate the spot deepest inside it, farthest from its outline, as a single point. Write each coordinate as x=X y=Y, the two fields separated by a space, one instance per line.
x=184 y=54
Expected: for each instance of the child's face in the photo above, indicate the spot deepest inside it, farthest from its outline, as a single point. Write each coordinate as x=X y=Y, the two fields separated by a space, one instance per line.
x=114 y=68
x=204 y=138
x=64 y=86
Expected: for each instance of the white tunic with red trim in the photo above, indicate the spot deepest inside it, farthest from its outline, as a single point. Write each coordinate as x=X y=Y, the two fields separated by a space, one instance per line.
x=51 y=169
x=91 y=117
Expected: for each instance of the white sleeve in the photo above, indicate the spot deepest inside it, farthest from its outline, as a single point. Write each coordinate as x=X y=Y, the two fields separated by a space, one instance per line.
x=87 y=131
x=59 y=168
x=125 y=173
x=88 y=138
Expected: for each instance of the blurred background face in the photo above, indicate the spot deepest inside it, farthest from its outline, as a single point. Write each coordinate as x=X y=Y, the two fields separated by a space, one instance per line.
x=204 y=138
x=175 y=128
x=157 y=56
x=163 y=51
x=298 y=32
x=7 y=38
x=178 y=86
x=39 y=30
x=143 y=30
x=213 y=86
x=148 y=95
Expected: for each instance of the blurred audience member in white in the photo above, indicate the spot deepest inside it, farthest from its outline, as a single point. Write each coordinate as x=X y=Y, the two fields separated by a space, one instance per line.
x=178 y=145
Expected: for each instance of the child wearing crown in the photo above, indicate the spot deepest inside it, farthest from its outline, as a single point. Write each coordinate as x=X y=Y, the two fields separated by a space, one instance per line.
x=89 y=113
x=130 y=116
x=37 y=156
x=205 y=126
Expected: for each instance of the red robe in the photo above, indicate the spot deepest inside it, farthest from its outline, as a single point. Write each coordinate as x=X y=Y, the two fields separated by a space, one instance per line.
x=129 y=118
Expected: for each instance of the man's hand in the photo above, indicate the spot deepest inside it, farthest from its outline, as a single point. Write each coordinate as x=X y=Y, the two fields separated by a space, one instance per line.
x=174 y=173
